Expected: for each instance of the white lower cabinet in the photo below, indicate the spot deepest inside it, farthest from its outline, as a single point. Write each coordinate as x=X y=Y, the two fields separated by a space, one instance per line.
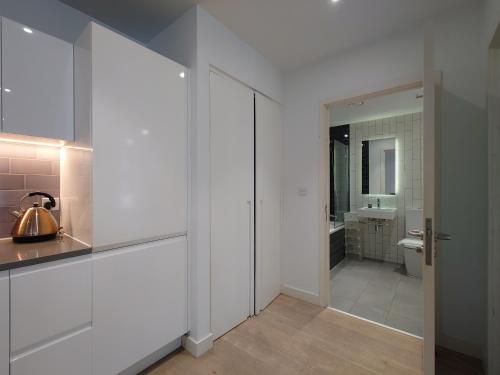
x=140 y=302
x=49 y=301
x=51 y=317
x=4 y=322
x=70 y=355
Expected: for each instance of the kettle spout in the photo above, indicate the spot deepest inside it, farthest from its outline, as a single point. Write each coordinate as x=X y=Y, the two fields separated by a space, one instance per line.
x=16 y=214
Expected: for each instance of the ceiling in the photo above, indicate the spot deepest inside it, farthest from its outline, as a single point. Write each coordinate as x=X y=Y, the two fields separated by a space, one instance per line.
x=396 y=104
x=140 y=19
x=290 y=33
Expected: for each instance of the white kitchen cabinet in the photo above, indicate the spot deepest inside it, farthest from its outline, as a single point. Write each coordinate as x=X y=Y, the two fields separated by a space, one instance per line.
x=131 y=107
x=69 y=355
x=268 y=199
x=37 y=83
x=4 y=322
x=48 y=301
x=140 y=302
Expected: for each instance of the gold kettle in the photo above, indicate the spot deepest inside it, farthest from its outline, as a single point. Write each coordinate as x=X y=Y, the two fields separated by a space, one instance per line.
x=35 y=223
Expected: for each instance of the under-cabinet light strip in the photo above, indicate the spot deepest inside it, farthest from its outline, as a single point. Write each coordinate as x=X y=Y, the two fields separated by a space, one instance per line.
x=45 y=144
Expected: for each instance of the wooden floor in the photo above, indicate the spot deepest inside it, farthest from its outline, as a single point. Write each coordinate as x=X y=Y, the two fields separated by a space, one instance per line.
x=293 y=337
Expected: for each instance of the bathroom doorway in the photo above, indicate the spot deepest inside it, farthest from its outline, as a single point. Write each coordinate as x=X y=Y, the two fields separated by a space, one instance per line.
x=376 y=208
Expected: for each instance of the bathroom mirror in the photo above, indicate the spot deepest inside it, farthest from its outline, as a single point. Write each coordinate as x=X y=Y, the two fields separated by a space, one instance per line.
x=378 y=162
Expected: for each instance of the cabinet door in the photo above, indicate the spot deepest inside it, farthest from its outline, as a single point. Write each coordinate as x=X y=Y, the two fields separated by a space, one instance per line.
x=69 y=355
x=140 y=302
x=37 y=78
x=268 y=200
x=232 y=195
x=49 y=300
x=139 y=137
x=4 y=322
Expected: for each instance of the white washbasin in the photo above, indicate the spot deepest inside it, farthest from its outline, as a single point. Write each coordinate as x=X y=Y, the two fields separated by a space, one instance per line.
x=377 y=213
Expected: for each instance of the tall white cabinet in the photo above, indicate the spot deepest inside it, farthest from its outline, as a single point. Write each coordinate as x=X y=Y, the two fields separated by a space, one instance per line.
x=232 y=202
x=128 y=184
x=245 y=191
x=37 y=83
x=268 y=174
x=131 y=108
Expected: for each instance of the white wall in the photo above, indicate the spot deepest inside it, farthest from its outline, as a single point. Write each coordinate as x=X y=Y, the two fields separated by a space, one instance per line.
x=379 y=66
x=375 y=67
x=214 y=45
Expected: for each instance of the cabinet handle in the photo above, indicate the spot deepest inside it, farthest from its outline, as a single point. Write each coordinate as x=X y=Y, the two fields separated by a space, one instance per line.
x=251 y=253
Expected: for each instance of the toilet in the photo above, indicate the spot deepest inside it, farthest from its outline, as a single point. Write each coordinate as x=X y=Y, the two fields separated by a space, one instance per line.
x=413 y=258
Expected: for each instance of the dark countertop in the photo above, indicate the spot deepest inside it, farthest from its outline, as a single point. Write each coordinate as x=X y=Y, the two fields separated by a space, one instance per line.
x=15 y=255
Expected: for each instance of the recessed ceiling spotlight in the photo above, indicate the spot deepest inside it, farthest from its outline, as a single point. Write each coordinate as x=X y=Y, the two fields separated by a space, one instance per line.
x=335 y=1
x=182 y=74
x=346 y=136
x=28 y=30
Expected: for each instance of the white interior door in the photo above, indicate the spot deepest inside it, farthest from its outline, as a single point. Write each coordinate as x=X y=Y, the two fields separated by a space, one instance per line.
x=268 y=200
x=231 y=202
x=432 y=84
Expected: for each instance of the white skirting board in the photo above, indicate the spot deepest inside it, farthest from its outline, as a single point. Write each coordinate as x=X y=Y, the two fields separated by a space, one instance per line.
x=198 y=347
x=300 y=294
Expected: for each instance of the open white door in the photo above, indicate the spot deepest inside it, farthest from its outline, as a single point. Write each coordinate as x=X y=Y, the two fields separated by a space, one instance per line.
x=432 y=86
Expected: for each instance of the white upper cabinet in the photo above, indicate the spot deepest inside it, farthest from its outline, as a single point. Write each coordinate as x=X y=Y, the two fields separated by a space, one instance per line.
x=131 y=105
x=37 y=80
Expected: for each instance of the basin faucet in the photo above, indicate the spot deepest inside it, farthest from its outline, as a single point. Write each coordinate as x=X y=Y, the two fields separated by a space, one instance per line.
x=378 y=202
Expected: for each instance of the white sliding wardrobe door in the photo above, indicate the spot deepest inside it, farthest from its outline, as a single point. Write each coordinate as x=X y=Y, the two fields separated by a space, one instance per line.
x=231 y=206
x=268 y=200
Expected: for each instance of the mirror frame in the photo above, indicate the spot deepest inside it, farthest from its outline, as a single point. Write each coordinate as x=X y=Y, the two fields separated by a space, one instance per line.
x=396 y=148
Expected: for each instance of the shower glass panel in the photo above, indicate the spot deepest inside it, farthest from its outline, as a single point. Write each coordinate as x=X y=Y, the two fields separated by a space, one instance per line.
x=340 y=171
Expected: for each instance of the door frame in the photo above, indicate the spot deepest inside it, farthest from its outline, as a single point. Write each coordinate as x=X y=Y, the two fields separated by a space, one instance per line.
x=493 y=361
x=324 y=180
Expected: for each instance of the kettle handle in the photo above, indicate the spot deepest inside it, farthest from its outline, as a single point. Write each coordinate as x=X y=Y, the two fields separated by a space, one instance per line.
x=48 y=205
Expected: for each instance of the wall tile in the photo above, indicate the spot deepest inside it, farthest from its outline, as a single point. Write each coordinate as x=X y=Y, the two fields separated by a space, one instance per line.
x=42 y=182
x=11 y=182
x=25 y=166
x=48 y=153
x=17 y=150
x=4 y=165
x=10 y=198
x=408 y=131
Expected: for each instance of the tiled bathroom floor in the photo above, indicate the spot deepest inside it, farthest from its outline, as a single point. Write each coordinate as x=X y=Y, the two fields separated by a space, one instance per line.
x=378 y=292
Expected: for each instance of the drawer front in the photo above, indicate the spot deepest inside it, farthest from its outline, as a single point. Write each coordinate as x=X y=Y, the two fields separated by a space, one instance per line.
x=71 y=355
x=49 y=300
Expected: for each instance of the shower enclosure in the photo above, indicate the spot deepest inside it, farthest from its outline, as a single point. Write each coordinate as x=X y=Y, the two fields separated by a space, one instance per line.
x=339 y=174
